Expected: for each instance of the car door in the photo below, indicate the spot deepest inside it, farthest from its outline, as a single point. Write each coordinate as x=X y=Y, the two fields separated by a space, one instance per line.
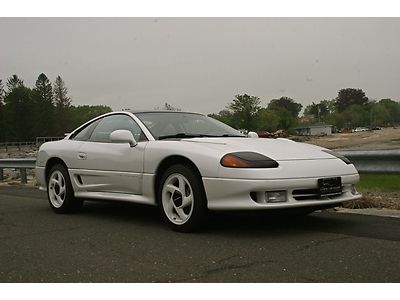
x=111 y=167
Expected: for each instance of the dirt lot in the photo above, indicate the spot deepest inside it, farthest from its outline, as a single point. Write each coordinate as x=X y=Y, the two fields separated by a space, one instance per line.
x=386 y=138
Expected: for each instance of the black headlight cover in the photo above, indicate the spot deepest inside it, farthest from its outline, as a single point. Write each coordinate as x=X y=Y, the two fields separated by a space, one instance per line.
x=250 y=160
x=335 y=154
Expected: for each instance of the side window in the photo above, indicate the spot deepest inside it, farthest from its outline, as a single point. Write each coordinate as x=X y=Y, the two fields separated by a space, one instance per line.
x=108 y=124
x=84 y=134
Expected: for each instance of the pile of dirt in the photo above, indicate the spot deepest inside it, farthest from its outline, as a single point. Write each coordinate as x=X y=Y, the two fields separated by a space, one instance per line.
x=386 y=138
x=13 y=177
x=375 y=199
x=16 y=153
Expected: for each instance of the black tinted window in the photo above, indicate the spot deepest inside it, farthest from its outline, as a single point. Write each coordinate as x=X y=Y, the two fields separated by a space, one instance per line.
x=111 y=123
x=170 y=123
x=84 y=133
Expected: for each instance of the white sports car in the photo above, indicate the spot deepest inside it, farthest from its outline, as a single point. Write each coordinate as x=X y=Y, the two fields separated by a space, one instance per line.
x=187 y=164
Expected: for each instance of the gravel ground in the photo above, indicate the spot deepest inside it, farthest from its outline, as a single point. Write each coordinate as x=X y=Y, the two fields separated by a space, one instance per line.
x=386 y=138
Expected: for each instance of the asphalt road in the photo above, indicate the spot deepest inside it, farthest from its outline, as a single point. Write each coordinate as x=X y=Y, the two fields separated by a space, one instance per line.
x=119 y=242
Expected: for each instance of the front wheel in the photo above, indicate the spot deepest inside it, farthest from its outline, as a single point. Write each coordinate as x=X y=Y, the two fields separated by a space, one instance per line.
x=182 y=199
x=60 y=192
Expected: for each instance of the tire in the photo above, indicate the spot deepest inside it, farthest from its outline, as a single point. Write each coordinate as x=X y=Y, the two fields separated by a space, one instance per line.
x=60 y=192
x=181 y=199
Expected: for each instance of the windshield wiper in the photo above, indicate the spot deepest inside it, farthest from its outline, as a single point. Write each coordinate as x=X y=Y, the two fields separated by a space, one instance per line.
x=191 y=135
x=181 y=135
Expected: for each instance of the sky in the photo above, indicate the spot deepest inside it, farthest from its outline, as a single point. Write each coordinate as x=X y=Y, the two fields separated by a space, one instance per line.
x=200 y=64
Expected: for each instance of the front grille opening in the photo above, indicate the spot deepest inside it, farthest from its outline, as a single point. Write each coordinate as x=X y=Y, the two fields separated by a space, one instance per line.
x=311 y=194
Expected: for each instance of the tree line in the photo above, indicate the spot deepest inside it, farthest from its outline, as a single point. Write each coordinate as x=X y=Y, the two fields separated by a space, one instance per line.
x=47 y=110
x=43 y=110
x=245 y=112
x=351 y=108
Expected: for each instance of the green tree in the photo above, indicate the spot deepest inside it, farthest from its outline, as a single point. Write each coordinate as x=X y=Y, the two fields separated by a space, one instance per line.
x=355 y=115
x=63 y=110
x=44 y=107
x=393 y=109
x=168 y=106
x=289 y=104
x=330 y=105
x=318 y=110
x=18 y=116
x=14 y=82
x=336 y=119
x=267 y=120
x=2 y=94
x=380 y=115
x=83 y=113
x=29 y=113
x=225 y=116
x=244 y=108
x=349 y=96
x=286 y=118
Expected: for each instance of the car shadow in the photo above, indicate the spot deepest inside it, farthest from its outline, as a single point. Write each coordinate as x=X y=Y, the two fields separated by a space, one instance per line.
x=217 y=223
x=143 y=215
x=326 y=221
x=270 y=223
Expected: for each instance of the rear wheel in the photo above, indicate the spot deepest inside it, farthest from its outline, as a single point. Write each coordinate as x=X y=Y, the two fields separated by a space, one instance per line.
x=182 y=199
x=60 y=192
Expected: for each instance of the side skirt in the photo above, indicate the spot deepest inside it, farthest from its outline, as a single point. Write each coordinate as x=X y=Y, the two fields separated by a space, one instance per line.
x=116 y=196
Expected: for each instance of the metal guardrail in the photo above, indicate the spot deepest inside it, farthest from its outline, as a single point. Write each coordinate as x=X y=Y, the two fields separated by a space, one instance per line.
x=374 y=161
x=17 y=163
x=365 y=161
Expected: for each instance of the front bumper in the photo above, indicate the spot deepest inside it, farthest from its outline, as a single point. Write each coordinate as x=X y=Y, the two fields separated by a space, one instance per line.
x=41 y=178
x=234 y=194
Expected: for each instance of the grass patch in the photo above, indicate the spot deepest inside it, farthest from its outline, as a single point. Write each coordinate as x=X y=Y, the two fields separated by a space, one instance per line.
x=379 y=182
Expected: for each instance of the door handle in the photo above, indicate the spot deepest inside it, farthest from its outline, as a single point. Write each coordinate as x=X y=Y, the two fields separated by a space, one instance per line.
x=82 y=155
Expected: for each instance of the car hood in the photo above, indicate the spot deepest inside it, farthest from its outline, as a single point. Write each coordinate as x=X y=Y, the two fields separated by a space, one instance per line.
x=277 y=149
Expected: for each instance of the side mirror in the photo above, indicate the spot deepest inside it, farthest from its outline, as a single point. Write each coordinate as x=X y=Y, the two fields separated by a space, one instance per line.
x=123 y=136
x=252 y=135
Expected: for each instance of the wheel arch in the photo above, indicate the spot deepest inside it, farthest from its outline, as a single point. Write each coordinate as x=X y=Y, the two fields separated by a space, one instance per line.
x=174 y=160
x=51 y=162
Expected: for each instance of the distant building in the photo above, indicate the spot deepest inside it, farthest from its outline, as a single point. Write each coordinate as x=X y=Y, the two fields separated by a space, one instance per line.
x=320 y=129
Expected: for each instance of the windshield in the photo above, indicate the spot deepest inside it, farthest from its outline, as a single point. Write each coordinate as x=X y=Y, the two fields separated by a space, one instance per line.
x=179 y=125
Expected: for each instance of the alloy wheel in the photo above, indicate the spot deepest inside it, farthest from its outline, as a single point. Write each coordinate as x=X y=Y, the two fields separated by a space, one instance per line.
x=57 y=189
x=177 y=198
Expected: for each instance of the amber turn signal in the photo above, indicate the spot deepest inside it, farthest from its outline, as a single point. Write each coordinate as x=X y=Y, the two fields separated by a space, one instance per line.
x=247 y=160
x=232 y=161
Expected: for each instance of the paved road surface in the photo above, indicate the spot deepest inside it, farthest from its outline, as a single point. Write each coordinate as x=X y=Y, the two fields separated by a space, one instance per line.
x=119 y=242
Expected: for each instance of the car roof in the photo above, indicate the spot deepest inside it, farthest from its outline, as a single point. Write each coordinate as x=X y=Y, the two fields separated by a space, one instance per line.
x=133 y=111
